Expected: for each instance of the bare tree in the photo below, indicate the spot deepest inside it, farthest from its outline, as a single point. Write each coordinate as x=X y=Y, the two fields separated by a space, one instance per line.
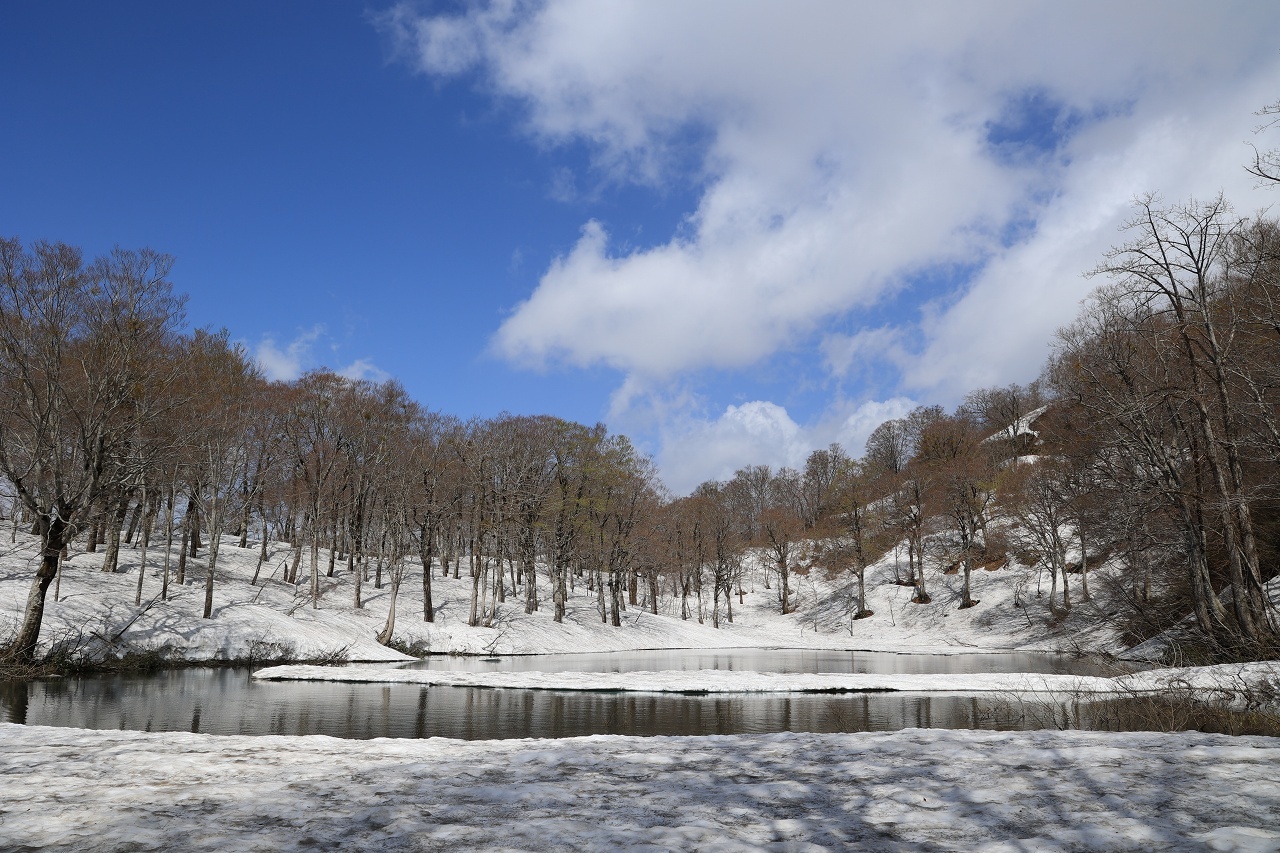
x=1176 y=268
x=891 y=451
x=223 y=378
x=959 y=471
x=782 y=527
x=855 y=493
x=1266 y=164
x=1030 y=494
x=76 y=345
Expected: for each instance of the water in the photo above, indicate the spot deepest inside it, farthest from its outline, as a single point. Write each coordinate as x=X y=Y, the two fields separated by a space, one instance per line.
x=228 y=701
x=775 y=660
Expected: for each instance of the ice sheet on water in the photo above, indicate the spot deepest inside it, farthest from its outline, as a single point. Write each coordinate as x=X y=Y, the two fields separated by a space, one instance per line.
x=1213 y=678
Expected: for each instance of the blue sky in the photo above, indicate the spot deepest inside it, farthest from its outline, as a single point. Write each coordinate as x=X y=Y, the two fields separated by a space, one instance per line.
x=735 y=231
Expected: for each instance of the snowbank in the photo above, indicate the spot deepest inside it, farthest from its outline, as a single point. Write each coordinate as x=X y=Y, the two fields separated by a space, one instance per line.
x=913 y=789
x=1223 y=678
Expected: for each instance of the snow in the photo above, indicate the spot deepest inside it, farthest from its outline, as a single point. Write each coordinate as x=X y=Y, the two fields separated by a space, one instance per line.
x=1020 y=427
x=1165 y=644
x=276 y=620
x=701 y=681
x=1209 y=679
x=907 y=790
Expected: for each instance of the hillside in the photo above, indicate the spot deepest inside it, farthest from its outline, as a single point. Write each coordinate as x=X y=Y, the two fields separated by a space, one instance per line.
x=273 y=620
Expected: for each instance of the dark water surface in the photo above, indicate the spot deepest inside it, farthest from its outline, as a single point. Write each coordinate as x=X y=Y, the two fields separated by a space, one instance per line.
x=777 y=660
x=228 y=701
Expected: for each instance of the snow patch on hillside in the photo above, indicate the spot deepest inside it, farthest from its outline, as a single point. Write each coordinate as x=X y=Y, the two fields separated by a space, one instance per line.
x=274 y=619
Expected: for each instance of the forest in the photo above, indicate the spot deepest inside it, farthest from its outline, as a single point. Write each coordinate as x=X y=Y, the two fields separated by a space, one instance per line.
x=1149 y=446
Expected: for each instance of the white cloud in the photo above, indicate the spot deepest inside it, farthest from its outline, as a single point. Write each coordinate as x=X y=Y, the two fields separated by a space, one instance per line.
x=298 y=356
x=847 y=150
x=863 y=351
x=285 y=365
x=755 y=433
x=362 y=368
x=852 y=429
x=763 y=433
x=1000 y=329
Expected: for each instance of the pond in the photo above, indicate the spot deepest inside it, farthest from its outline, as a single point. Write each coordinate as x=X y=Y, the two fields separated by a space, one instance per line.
x=777 y=660
x=229 y=701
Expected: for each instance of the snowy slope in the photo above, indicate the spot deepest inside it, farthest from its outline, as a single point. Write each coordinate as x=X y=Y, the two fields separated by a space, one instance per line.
x=275 y=619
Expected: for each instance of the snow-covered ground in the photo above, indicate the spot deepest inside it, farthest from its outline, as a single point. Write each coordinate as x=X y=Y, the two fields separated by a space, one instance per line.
x=275 y=619
x=1214 y=680
x=71 y=789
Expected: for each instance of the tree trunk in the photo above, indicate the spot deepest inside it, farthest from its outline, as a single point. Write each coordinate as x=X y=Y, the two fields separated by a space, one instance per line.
x=146 y=540
x=1084 y=563
x=529 y=573
x=483 y=581
x=57 y=580
x=615 y=599
x=474 y=618
x=389 y=630
x=186 y=538
x=915 y=553
x=359 y=602
x=427 y=547
x=333 y=551
x=111 y=561
x=95 y=534
x=23 y=648
x=266 y=532
x=138 y=511
x=168 y=548
x=244 y=525
x=966 y=598
x=315 y=569
x=195 y=528
x=784 y=584
x=262 y=555
x=215 y=541
x=600 y=602
x=1066 y=587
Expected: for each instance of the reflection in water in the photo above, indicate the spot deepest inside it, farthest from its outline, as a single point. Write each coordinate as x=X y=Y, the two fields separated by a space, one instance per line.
x=776 y=660
x=13 y=700
x=227 y=701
